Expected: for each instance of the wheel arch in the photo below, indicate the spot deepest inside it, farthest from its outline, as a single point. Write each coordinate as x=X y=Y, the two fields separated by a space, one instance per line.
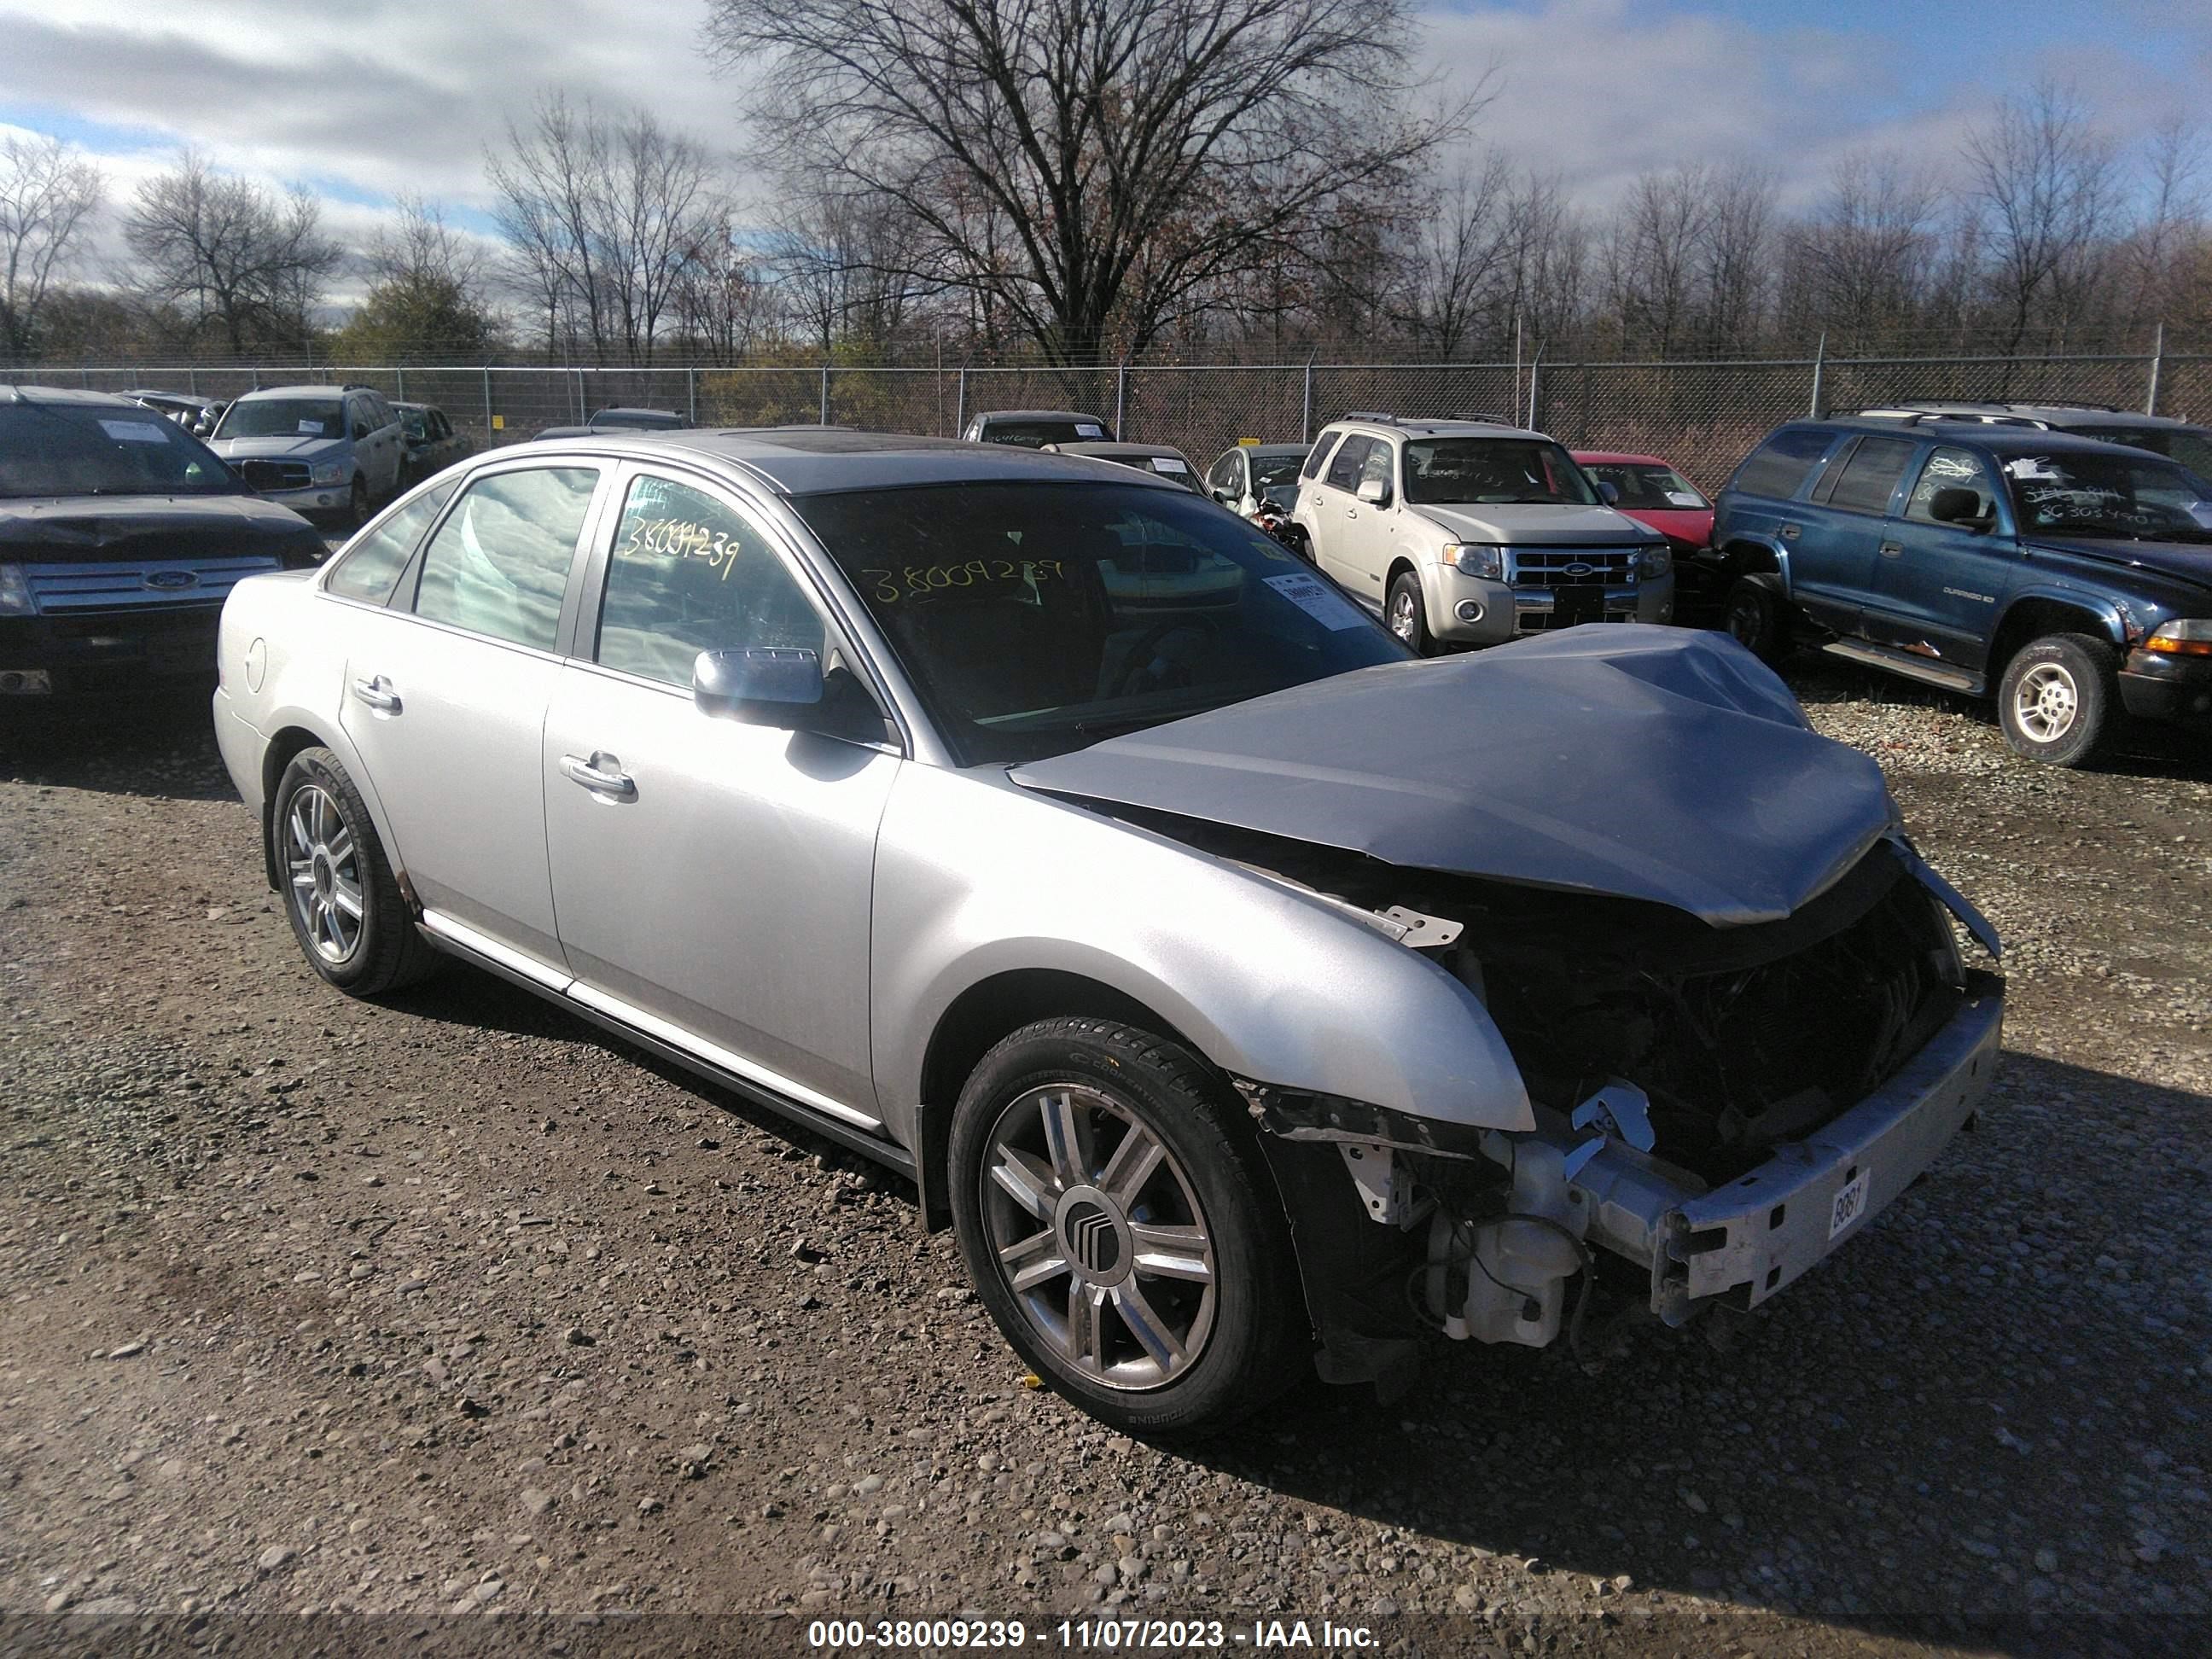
x=975 y=1022
x=2032 y=615
x=1750 y=556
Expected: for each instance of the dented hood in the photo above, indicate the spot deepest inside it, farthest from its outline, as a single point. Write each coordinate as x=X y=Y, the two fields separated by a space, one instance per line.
x=1654 y=763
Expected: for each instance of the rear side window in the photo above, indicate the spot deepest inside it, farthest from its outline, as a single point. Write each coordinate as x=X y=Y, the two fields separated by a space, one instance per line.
x=1870 y=475
x=372 y=564
x=1351 y=456
x=1779 y=467
x=1317 y=454
x=498 y=564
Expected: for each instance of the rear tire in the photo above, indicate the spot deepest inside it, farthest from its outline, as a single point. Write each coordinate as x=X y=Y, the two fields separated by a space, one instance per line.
x=339 y=892
x=2059 y=698
x=357 y=504
x=1406 y=614
x=1752 y=617
x=1122 y=1230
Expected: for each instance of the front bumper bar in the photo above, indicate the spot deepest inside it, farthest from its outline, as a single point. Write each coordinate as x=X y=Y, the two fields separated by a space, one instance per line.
x=1748 y=1239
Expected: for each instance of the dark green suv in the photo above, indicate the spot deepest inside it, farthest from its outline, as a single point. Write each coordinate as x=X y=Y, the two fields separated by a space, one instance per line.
x=2071 y=578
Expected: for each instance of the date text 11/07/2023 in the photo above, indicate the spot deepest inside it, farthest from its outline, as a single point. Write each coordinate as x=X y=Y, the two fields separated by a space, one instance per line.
x=1114 y=1635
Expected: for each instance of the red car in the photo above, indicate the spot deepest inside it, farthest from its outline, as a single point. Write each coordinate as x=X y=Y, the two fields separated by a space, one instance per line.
x=1650 y=491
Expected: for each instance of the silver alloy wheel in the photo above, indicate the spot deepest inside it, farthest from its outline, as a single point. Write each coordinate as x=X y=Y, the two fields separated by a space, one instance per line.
x=2046 y=702
x=1099 y=1236
x=1744 y=618
x=324 y=862
x=1402 y=614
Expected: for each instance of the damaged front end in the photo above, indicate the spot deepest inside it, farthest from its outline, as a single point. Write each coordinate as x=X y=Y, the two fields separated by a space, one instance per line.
x=1716 y=1108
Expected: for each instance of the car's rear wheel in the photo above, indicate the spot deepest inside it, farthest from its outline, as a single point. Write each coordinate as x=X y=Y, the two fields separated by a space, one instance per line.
x=2059 y=698
x=1122 y=1229
x=1406 y=614
x=1753 y=618
x=339 y=891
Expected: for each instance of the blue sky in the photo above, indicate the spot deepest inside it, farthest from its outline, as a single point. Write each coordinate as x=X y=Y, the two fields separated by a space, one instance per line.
x=406 y=95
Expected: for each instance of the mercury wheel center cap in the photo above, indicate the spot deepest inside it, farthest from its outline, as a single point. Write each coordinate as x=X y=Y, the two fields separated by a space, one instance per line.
x=325 y=877
x=1095 y=1234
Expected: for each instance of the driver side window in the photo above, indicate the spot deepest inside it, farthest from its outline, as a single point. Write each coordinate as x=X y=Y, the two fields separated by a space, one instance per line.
x=1345 y=471
x=1951 y=469
x=689 y=573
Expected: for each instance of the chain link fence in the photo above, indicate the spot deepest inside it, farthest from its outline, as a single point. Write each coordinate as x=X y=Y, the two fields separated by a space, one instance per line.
x=1704 y=417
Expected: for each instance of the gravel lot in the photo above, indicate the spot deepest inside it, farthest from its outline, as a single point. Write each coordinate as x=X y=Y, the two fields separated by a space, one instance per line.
x=449 y=1304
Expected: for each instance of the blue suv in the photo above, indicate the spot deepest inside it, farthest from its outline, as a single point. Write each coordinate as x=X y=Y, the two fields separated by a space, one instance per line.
x=2071 y=578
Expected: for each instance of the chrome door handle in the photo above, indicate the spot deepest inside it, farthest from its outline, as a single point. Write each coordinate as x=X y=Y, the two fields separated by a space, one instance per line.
x=1892 y=549
x=600 y=778
x=376 y=691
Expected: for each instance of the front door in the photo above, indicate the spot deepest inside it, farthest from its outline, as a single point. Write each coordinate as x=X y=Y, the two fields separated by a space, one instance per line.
x=1938 y=587
x=713 y=879
x=446 y=704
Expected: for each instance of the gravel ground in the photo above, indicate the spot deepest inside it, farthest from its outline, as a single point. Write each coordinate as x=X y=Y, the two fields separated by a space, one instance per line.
x=448 y=1304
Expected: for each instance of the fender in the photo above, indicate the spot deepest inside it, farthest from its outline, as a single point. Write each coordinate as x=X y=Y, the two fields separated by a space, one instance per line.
x=1773 y=546
x=976 y=876
x=2052 y=588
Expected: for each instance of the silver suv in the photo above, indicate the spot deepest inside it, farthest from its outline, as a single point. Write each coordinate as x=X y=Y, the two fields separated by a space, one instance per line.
x=326 y=450
x=1249 y=997
x=1468 y=533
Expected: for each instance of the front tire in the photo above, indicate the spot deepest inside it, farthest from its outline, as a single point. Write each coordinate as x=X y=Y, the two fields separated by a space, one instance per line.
x=1122 y=1230
x=339 y=891
x=2059 y=698
x=1408 y=615
x=1753 y=618
x=357 y=503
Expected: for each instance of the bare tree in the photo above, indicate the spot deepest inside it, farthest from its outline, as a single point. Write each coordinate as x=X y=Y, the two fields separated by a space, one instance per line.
x=1734 y=262
x=227 y=251
x=1457 y=255
x=1652 y=255
x=600 y=213
x=2044 y=183
x=1866 y=254
x=428 y=299
x=2170 y=238
x=840 y=264
x=1095 y=168
x=47 y=191
x=724 y=306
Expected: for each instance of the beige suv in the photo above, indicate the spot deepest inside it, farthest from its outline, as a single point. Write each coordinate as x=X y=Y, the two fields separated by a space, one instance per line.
x=1469 y=532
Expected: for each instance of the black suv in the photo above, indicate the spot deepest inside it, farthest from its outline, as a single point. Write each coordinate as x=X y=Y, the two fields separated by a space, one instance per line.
x=2073 y=577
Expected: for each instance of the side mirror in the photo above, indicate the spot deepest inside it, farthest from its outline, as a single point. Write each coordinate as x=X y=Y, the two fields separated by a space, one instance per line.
x=1374 y=492
x=1954 y=505
x=1609 y=494
x=761 y=685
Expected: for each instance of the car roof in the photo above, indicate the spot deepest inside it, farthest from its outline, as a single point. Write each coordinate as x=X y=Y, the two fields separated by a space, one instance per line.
x=1102 y=447
x=1274 y=449
x=1038 y=414
x=1991 y=435
x=302 y=391
x=804 y=460
x=1437 y=429
x=2055 y=415
x=63 y=394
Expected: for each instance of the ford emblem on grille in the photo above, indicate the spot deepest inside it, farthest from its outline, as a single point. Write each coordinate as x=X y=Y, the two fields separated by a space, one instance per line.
x=172 y=580
x=1579 y=568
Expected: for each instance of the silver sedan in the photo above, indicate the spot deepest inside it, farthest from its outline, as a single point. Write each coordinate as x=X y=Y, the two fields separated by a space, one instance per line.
x=1251 y=997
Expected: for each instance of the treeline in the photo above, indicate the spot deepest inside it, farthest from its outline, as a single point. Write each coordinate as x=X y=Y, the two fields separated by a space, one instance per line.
x=1088 y=180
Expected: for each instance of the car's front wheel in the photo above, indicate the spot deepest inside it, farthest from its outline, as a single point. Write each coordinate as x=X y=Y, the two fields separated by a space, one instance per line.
x=339 y=889
x=1121 y=1228
x=2059 y=698
x=1407 y=616
x=1754 y=618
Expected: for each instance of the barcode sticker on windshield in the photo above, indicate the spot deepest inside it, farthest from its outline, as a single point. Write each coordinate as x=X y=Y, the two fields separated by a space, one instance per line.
x=311 y=428
x=135 y=432
x=1168 y=464
x=1323 y=604
x=1088 y=429
x=1683 y=498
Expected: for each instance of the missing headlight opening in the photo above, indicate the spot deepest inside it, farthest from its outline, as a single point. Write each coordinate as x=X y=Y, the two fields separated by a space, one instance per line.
x=1672 y=1066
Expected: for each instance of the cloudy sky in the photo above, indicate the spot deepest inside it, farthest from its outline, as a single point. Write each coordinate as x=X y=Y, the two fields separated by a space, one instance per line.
x=374 y=97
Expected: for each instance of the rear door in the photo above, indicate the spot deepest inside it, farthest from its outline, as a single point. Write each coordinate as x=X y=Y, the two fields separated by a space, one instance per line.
x=1338 y=513
x=1842 y=529
x=713 y=879
x=444 y=698
x=1938 y=587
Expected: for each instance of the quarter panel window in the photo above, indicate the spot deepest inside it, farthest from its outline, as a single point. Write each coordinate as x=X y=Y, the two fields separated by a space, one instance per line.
x=498 y=564
x=1317 y=454
x=689 y=573
x=1951 y=469
x=1871 y=475
x=1351 y=456
x=1781 y=464
x=372 y=564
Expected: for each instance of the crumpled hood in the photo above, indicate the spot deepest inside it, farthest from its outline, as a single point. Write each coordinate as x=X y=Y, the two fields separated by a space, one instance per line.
x=2190 y=561
x=1534 y=524
x=87 y=529
x=1650 y=762
x=271 y=449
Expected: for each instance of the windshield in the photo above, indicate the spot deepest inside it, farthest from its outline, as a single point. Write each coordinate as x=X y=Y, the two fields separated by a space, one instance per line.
x=1652 y=489
x=284 y=417
x=1048 y=429
x=2189 y=445
x=1275 y=477
x=101 y=449
x=417 y=423
x=1034 y=618
x=1173 y=468
x=2085 y=493
x=1496 y=471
